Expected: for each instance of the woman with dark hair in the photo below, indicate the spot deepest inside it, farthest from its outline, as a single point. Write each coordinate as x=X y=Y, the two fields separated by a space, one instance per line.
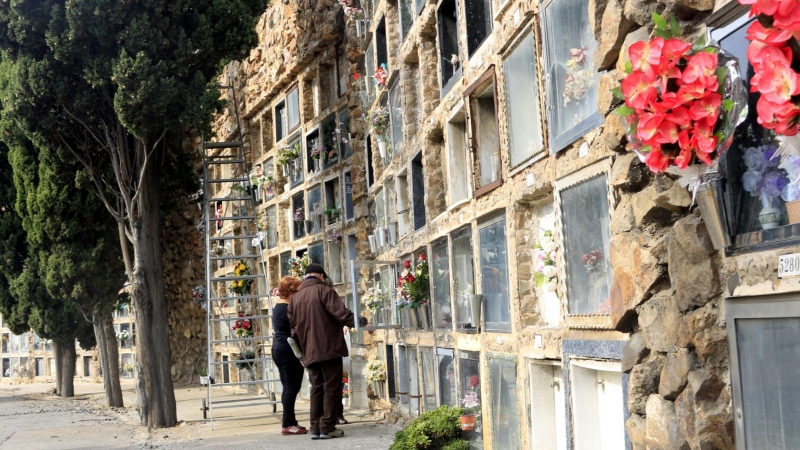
x=289 y=367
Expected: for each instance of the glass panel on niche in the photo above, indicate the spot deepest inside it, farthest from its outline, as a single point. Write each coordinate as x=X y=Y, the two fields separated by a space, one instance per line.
x=486 y=138
x=569 y=47
x=345 y=147
x=446 y=368
x=269 y=184
x=396 y=118
x=316 y=253
x=334 y=268
x=494 y=275
x=769 y=375
x=505 y=416
x=330 y=142
x=272 y=227
x=428 y=379
x=522 y=97
x=293 y=109
x=440 y=278
x=449 y=53
x=585 y=222
x=469 y=375
x=464 y=279
x=315 y=210
x=406 y=8
x=298 y=215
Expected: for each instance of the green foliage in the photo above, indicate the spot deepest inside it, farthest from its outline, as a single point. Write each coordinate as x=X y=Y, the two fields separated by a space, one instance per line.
x=666 y=26
x=13 y=249
x=439 y=429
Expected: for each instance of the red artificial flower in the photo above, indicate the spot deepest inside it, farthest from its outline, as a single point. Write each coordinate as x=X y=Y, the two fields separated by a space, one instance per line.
x=787 y=16
x=646 y=56
x=356 y=76
x=648 y=125
x=666 y=102
x=667 y=133
x=656 y=160
x=702 y=67
x=674 y=50
x=779 y=83
x=422 y=257
x=706 y=108
x=639 y=91
x=407 y=264
x=704 y=141
x=410 y=278
x=782 y=118
x=473 y=381
x=683 y=159
x=680 y=117
x=761 y=6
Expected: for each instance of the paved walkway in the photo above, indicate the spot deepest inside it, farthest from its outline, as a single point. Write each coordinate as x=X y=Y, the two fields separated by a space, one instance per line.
x=30 y=418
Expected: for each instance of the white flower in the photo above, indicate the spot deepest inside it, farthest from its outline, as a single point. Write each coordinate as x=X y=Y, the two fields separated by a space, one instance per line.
x=548 y=246
x=549 y=271
x=750 y=180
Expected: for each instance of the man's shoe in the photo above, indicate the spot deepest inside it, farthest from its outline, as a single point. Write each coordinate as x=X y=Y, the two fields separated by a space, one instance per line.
x=336 y=433
x=314 y=436
x=293 y=430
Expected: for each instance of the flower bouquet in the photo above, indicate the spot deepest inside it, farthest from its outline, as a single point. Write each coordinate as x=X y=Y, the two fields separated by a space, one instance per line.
x=199 y=293
x=128 y=367
x=472 y=406
x=372 y=298
x=243 y=327
x=240 y=287
x=413 y=283
x=579 y=77
x=593 y=261
x=262 y=221
x=379 y=122
x=297 y=266
x=299 y=215
x=545 y=260
x=381 y=75
x=374 y=372
x=123 y=335
x=682 y=101
x=351 y=13
x=335 y=237
x=773 y=54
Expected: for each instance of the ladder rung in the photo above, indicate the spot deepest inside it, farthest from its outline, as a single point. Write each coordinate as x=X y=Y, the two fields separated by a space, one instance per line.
x=231 y=361
x=242 y=383
x=228 y=180
x=230 y=238
x=225 y=258
x=240 y=297
x=230 y=161
x=229 y=199
x=236 y=278
x=229 y=144
x=228 y=319
x=233 y=218
x=251 y=338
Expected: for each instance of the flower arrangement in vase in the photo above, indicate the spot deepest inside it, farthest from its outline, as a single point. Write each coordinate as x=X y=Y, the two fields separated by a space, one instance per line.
x=262 y=221
x=240 y=287
x=682 y=101
x=381 y=75
x=128 y=367
x=335 y=237
x=351 y=13
x=199 y=293
x=123 y=335
x=545 y=257
x=579 y=77
x=372 y=298
x=299 y=215
x=378 y=120
x=243 y=327
x=243 y=360
x=472 y=405
x=375 y=370
x=592 y=261
x=297 y=266
x=413 y=285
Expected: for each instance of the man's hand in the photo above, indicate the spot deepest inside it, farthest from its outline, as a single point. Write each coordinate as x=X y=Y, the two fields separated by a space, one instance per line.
x=345 y=330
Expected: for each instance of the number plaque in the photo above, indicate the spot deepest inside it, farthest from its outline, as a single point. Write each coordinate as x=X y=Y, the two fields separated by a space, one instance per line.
x=789 y=265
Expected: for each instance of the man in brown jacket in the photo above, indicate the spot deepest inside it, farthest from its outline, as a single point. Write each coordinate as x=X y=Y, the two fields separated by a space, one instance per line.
x=318 y=317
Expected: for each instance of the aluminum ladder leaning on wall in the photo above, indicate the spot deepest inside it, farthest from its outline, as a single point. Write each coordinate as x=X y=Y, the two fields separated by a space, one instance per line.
x=238 y=208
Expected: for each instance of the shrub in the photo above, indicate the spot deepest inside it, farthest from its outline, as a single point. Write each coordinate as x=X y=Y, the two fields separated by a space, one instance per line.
x=439 y=429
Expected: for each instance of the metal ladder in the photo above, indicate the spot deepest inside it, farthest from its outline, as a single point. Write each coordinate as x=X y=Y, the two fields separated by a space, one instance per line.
x=240 y=210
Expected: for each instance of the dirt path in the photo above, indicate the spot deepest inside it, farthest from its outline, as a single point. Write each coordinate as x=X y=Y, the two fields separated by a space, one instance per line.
x=31 y=418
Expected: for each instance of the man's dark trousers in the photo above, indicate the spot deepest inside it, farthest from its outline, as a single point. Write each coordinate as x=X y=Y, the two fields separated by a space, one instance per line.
x=326 y=394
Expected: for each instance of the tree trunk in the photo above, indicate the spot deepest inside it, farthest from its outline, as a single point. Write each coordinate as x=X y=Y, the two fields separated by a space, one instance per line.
x=67 y=364
x=157 y=399
x=59 y=372
x=109 y=357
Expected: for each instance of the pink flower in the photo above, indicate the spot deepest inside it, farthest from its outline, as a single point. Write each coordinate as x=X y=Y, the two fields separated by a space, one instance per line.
x=639 y=91
x=646 y=56
x=473 y=381
x=657 y=161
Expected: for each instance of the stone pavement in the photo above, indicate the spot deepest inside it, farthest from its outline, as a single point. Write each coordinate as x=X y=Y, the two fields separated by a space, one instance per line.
x=30 y=418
